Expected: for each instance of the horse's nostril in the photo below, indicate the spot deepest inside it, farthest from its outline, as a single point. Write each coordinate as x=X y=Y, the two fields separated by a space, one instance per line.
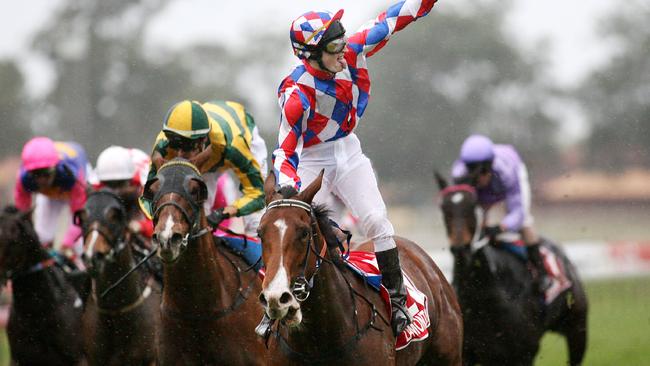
x=154 y=238
x=285 y=298
x=263 y=299
x=176 y=238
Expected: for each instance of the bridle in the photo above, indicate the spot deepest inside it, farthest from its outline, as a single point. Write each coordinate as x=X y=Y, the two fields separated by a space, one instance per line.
x=301 y=286
x=177 y=181
x=476 y=242
x=98 y=223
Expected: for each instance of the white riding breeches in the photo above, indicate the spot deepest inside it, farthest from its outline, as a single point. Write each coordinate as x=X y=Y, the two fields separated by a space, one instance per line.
x=349 y=175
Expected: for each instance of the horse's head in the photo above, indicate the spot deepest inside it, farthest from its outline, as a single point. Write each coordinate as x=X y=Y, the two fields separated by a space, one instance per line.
x=104 y=221
x=288 y=231
x=18 y=242
x=460 y=212
x=177 y=194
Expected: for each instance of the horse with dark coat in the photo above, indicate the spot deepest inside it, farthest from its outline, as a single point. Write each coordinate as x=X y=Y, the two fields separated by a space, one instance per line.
x=505 y=315
x=326 y=315
x=45 y=317
x=209 y=311
x=120 y=328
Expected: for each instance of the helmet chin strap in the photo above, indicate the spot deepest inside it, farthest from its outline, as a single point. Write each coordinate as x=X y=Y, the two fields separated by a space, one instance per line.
x=319 y=58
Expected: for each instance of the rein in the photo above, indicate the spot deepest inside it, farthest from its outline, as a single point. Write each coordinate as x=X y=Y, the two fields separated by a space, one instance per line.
x=239 y=299
x=127 y=308
x=302 y=288
x=46 y=263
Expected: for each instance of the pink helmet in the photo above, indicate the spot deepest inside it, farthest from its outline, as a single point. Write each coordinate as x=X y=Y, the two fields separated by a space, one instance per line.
x=39 y=153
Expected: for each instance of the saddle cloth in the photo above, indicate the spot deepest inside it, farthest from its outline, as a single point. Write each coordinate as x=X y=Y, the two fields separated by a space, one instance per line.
x=556 y=271
x=365 y=265
x=553 y=265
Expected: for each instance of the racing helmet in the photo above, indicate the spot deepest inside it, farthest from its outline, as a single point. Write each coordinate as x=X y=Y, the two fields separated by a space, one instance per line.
x=115 y=163
x=187 y=119
x=39 y=153
x=477 y=149
x=313 y=30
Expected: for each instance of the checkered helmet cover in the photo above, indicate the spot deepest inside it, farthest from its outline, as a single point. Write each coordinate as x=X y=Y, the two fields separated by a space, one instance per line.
x=308 y=29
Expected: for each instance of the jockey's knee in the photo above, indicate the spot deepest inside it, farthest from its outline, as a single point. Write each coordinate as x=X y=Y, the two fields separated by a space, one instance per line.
x=379 y=229
x=529 y=235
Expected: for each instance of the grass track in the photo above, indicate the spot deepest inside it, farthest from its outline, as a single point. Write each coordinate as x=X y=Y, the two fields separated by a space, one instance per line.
x=619 y=326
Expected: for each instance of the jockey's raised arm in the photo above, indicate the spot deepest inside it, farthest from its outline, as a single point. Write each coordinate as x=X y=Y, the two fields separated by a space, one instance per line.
x=374 y=34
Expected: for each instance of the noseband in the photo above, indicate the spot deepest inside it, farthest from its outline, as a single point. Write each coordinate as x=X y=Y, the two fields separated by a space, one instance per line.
x=476 y=242
x=97 y=205
x=301 y=286
x=177 y=181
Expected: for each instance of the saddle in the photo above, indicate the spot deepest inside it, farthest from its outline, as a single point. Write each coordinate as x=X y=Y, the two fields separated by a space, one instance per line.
x=552 y=262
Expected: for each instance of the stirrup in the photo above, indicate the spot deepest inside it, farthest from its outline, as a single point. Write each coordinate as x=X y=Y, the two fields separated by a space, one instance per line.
x=400 y=318
x=263 y=329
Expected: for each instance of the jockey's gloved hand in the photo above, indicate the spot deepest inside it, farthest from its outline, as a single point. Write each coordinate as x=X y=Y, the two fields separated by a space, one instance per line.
x=492 y=231
x=216 y=216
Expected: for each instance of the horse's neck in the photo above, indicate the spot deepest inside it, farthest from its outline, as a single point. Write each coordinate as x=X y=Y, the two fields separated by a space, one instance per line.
x=128 y=291
x=329 y=310
x=472 y=275
x=37 y=290
x=202 y=277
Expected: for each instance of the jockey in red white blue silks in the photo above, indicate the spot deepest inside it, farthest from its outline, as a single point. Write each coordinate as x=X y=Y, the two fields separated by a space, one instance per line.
x=321 y=101
x=500 y=176
x=56 y=173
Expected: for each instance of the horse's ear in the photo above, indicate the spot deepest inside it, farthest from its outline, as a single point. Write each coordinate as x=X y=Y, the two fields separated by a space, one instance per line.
x=308 y=194
x=442 y=182
x=269 y=187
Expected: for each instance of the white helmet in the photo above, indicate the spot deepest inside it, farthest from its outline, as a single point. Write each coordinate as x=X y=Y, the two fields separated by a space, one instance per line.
x=115 y=163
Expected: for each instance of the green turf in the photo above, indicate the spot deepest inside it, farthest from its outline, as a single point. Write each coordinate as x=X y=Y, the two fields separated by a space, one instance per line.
x=619 y=326
x=4 y=349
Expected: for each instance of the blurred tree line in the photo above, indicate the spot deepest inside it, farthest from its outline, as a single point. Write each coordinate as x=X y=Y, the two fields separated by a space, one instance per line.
x=444 y=77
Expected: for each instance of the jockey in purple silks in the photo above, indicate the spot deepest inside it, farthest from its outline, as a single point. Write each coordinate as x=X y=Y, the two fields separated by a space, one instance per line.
x=500 y=177
x=322 y=100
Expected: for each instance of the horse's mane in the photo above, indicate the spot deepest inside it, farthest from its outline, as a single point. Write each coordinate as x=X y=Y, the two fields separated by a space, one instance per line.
x=10 y=210
x=466 y=179
x=321 y=213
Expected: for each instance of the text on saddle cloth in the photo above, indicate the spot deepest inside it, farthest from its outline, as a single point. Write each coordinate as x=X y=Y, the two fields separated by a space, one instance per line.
x=365 y=265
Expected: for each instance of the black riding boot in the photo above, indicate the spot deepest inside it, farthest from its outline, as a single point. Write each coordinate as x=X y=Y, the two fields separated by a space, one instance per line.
x=263 y=329
x=543 y=281
x=391 y=278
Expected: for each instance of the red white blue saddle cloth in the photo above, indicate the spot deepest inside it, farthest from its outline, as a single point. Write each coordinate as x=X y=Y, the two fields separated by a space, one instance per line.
x=552 y=263
x=365 y=265
x=556 y=271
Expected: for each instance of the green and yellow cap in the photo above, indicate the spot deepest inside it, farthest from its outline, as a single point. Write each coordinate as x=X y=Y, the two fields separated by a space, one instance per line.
x=187 y=119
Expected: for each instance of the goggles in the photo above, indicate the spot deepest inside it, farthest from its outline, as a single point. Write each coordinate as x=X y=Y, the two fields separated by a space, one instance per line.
x=479 y=168
x=177 y=142
x=44 y=172
x=335 y=46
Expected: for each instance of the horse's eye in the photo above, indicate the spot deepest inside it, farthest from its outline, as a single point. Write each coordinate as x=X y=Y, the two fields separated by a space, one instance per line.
x=304 y=235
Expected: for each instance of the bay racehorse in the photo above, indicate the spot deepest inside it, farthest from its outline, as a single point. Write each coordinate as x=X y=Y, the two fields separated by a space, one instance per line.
x=326 y=315
x=45 y=317
x=209 y=309
x=505 y=316
x=119 y=328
